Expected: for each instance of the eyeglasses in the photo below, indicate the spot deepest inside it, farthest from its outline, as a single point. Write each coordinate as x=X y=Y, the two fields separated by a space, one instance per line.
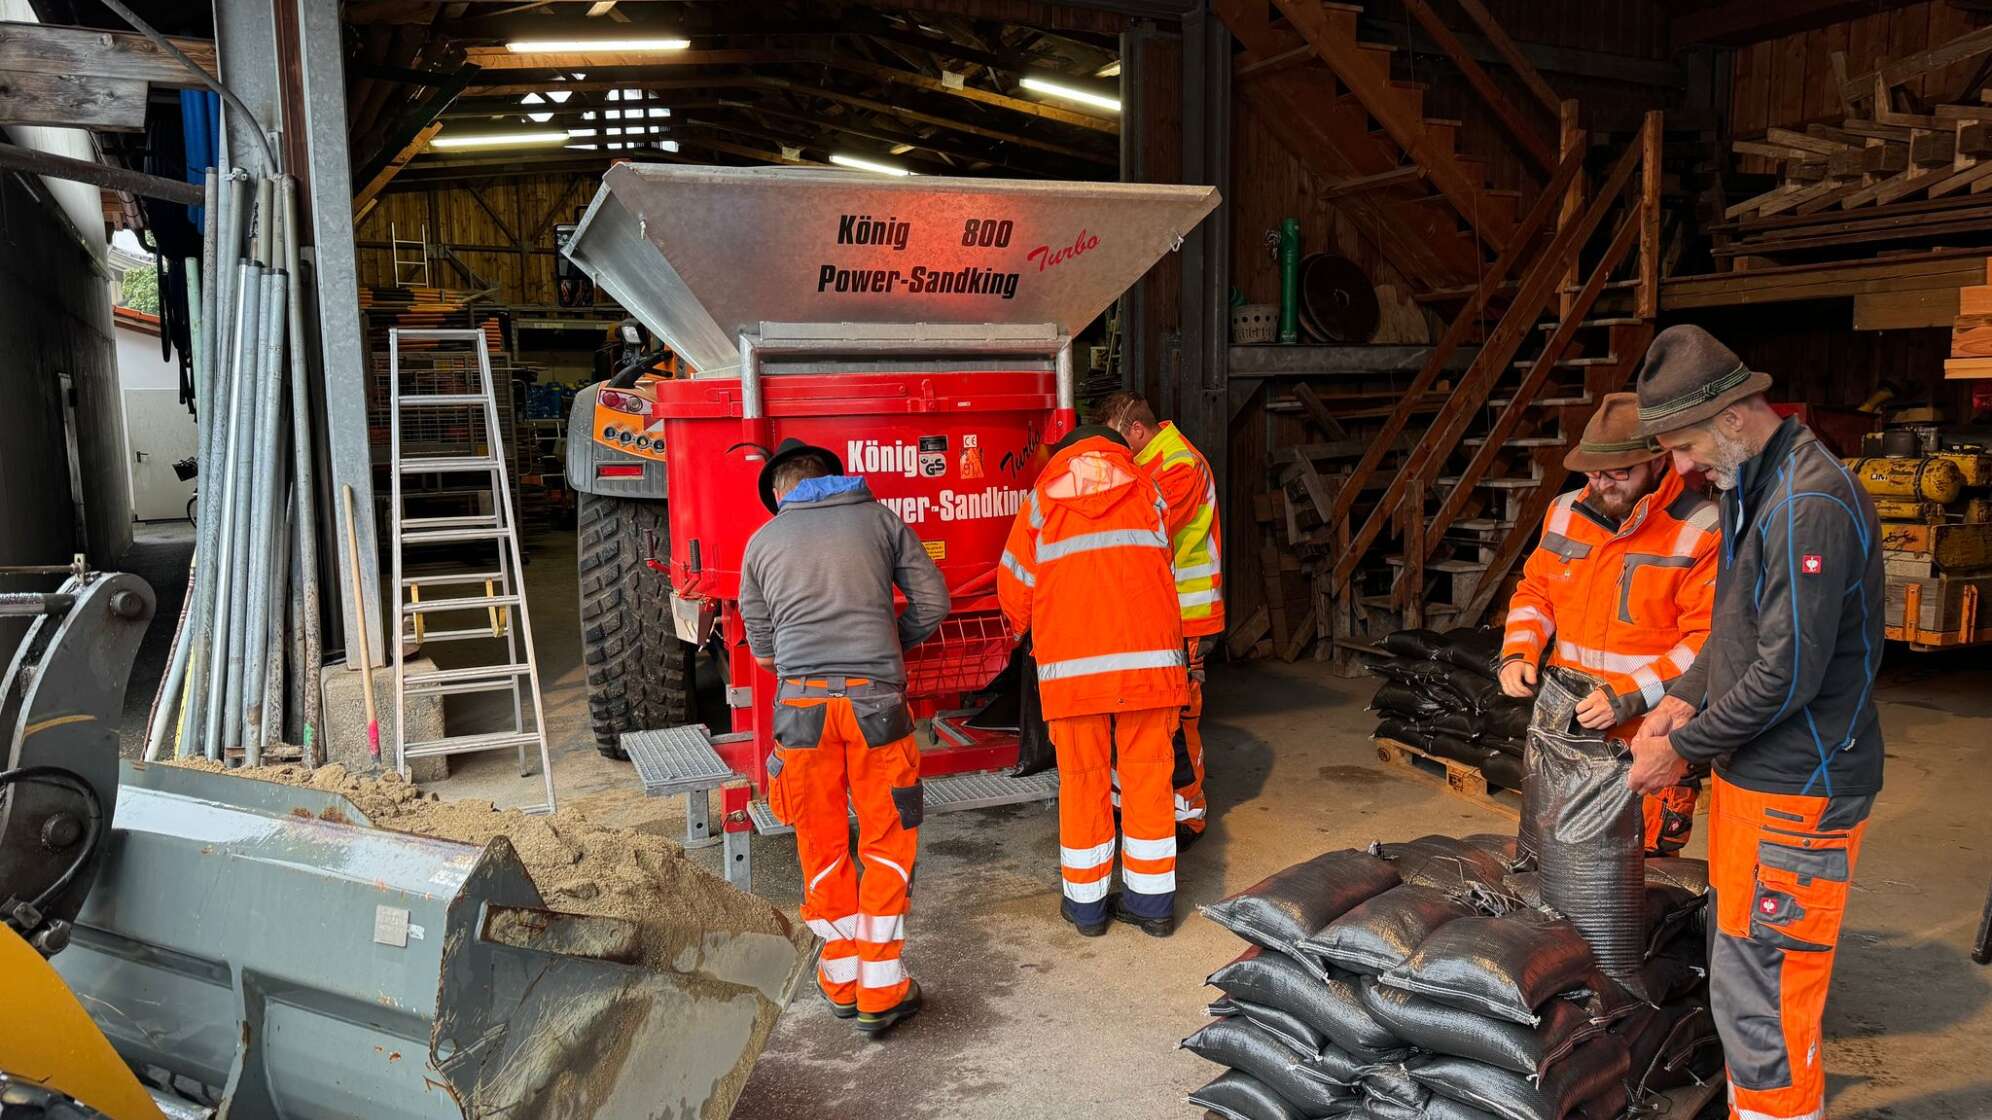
x=1623 y=474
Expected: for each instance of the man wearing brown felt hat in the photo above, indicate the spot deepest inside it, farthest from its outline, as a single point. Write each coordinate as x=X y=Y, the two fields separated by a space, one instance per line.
x=1779 y=702
x=1619 y=591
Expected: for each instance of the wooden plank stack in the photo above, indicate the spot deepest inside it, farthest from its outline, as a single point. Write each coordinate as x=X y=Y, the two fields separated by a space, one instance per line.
x=1971 y=333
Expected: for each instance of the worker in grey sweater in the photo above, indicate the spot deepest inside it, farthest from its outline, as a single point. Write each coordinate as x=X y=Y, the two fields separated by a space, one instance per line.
x=816 y=599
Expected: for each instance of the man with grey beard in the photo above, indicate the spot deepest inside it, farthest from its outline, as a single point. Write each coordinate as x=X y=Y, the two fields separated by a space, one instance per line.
x=1780 y=703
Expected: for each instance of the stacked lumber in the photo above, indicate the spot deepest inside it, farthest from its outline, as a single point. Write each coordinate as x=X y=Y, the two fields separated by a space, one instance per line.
x=1971 y=334
x=1888 y=149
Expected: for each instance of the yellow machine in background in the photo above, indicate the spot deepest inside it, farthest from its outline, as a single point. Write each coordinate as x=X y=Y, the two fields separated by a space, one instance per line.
x=1936 y=539
x=50 y=1041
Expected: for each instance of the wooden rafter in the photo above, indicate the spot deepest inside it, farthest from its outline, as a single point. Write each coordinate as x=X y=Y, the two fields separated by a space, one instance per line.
x=87 y=52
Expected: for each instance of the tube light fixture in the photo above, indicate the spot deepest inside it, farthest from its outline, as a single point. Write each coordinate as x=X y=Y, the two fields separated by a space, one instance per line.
x=596 y=46
x=1110 y=70
x=499 y=140
x=853 y=162
x=1072 y=93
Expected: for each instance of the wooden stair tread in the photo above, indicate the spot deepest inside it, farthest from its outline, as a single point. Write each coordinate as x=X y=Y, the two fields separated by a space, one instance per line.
x=1483 y=525
x=1450 y=567
x=1496 y=483
x=1446 y=122
x=1550 y=402
x=1333 y=6
x=1518 y=441
x=1612 y=321
x=1572 y=363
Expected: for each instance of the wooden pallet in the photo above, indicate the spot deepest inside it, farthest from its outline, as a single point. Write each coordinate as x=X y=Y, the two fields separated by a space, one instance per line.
x=1462 y=779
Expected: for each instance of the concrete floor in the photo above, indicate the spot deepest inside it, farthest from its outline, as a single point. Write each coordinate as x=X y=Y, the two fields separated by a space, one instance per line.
x=1024 y=1018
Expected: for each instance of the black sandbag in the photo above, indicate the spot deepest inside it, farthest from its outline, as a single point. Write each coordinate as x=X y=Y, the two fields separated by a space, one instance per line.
x=1508 y=718
x=1503 y=767
x=1433 y=1026
x=1412 y=643
x=1476 y=649
x=1281 y=1024
x=1287 y=905
x=1592 y=852
x=1525 y=886
x=1495 y=844
x=1458 y=749
x=1377 y=1108
x=1406 y=702
x=1445 y=1108
x=1671 y=976
x=1506 y=967
x=1442 y=862
x=1326 y=999
x=1240 y=1096
x=1405 y=731
x=1608 y=1105
x=1671 y=912
x=1480 y=693
x=1382 y=933
x=1588 y=1074
x=1240 y=1044
x=1390 y=1081
x=1459 y=725
x=1431 y=677
x=1690 y=875
x=1674 y=1046
x=1336 y=1068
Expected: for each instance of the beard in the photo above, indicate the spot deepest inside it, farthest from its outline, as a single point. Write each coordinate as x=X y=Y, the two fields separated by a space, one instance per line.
x=1725 y=466
x=1616 y=506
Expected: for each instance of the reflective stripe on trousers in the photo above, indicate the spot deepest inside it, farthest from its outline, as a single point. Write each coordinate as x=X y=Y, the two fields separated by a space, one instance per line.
x=1085 y=811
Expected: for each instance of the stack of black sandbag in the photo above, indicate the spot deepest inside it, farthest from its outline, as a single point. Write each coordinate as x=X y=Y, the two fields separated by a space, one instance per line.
x=1441 y=694
x=1421 y=981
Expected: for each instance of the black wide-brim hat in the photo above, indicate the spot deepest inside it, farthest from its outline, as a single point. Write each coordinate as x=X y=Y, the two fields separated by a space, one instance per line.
x=1687 y=377
x=792 y=448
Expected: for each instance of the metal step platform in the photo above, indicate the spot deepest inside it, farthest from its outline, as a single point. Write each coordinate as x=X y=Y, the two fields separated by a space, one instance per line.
x=680 y=760
x=985 y=790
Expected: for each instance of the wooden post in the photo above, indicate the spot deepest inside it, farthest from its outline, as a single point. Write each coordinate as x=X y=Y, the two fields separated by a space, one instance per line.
x=1414 y=555
x=1649 y=216
x=1571 y=136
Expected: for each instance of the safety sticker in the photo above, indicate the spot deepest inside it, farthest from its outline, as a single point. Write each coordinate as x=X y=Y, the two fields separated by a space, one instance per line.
x=936 y=550
x=391 y=926
x=933 y=456
x=1813 y=564
x=971 y=456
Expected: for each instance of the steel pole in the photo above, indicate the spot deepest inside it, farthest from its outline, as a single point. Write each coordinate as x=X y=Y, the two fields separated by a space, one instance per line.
x=245 y=689
x=166 y=702
x=304 y=484
x=227 y=658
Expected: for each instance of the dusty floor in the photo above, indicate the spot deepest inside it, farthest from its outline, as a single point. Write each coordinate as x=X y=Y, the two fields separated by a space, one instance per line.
x=1026 y=1019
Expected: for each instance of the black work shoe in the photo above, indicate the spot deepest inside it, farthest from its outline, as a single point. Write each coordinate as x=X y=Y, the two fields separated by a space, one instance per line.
x=1186 y=838
x=877 y=1022
x=1097 y=928
x=1153 y=927
x=840 y=1010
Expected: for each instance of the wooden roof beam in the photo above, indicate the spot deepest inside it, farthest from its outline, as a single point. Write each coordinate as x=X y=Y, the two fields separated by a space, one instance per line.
x=1749 y=21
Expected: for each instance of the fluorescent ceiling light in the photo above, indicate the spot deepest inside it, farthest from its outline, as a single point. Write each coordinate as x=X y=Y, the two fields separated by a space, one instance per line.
x=842 y=160
x=668 y=145
x=901 y=149
x=1110 y=70
x=1071 y=93
x=595 y=46
x=499 y=140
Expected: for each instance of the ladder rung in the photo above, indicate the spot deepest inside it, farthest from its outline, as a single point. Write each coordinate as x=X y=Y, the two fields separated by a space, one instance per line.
x=449 y=463
x=451 y=577
x=468 y=673
x=439 y=334
x=466 y=634
x=458 y=521
x=464 y=744
x=440 y=399
x=473 y=603
x=435 y=536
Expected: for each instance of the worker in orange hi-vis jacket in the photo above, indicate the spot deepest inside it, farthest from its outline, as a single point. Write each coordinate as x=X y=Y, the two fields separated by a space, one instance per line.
x=1086 y=571
x=1622 y=584
x=1195 y=540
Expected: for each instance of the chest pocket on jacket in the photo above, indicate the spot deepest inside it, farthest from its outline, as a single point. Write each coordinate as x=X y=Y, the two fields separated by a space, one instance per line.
x=1647 y=586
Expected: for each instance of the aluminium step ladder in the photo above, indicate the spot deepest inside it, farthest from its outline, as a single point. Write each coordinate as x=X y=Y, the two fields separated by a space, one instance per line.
x=486 y=603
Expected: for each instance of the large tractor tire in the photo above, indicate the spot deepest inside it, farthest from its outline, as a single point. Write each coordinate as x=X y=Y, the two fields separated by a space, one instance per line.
x=640 y=675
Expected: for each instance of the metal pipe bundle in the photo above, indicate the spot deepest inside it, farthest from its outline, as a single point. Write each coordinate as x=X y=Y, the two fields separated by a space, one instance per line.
x=249 y=631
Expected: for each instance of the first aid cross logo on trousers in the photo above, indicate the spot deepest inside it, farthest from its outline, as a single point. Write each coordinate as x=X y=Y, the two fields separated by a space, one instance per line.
x=1813 y=565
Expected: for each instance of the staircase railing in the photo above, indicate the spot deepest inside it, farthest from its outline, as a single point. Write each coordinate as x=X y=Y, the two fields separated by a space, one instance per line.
x=1528 y=136
x=1531 y=298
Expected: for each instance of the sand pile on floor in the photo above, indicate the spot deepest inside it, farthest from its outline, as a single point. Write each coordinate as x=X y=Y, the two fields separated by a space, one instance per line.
x=578 y=865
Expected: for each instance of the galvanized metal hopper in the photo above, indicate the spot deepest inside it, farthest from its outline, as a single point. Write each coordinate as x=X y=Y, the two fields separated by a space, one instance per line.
x=701 y=254
x=261 y=945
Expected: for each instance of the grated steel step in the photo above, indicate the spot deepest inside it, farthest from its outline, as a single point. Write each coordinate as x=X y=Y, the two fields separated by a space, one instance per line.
x=984 y=790
x=676 y=760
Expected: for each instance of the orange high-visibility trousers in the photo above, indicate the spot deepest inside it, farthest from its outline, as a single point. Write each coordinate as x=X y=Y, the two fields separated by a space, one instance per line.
x=829 y=767
x=1670 y=819
x=1191 y=810
x=1091 y=749
x=1780 y=866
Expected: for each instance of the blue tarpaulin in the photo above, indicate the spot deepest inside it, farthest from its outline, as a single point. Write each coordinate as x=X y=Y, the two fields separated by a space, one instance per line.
x=200 y=122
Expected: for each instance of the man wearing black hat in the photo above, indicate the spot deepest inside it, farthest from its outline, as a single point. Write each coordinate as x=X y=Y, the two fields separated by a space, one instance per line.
x=816 y=599
x=1780 y=702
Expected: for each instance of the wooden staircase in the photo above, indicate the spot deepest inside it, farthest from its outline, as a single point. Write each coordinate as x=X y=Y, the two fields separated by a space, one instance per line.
x=1332 y=100
x=1459 y=508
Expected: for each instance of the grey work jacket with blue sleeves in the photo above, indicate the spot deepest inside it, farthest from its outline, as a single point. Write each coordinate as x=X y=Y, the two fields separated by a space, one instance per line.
x=816 y=585
x=1785 y=682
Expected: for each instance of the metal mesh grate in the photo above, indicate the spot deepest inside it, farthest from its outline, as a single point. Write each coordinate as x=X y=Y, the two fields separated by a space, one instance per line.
x=676 y=760
x=964 y=655
x=956 y=791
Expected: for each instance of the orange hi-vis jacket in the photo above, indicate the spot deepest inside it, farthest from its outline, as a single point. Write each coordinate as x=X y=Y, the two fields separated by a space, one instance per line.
x=1087 y=572
x=1190 y=490
x=1627 y=604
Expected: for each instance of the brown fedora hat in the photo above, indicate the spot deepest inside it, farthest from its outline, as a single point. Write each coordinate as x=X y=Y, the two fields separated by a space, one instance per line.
x=1611 y=438
x=1687 y=377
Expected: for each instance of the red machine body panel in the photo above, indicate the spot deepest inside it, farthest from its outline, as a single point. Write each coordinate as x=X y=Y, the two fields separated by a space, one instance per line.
x=953 y=453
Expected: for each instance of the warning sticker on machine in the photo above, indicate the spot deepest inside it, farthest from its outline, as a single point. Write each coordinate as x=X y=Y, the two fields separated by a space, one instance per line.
x=954 y=505
x=936 y=550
